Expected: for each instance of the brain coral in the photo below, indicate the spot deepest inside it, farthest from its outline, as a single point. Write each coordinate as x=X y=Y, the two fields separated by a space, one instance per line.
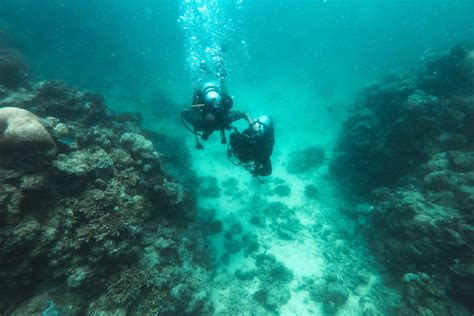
x=22 y=133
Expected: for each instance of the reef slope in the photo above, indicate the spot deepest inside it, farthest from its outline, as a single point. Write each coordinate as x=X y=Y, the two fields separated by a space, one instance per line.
x=407 y=148
x=97 y=226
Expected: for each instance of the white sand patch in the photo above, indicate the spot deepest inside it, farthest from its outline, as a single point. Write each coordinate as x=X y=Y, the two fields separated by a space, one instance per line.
x=302 y=257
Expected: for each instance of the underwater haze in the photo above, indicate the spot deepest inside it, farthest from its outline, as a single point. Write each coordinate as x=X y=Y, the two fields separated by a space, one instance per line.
x=108 y=208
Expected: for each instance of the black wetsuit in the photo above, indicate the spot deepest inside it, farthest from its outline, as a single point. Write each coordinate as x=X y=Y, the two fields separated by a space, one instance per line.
x=248 y=146
x=208 y=119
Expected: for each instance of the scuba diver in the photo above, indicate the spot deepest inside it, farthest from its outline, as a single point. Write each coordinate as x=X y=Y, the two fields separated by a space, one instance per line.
x=253 y=147
x=209 y=112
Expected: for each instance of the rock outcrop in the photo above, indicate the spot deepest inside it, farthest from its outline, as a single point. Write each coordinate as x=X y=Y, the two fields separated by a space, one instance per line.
x=98 y=227
x=407 y=147
x=22 y=136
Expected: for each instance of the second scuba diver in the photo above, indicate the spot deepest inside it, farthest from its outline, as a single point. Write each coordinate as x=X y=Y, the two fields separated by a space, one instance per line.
x=254 y=146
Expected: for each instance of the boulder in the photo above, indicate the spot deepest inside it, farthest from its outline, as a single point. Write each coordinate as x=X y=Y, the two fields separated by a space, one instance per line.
x=22 y=133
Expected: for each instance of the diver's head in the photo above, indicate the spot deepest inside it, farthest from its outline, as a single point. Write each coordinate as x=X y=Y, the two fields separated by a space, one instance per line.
x=262 y=124
x=211 y=95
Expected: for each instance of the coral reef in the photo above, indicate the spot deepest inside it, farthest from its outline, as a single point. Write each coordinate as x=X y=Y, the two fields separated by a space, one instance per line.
x=397 y=124
x=97 y=227
x=407 y=148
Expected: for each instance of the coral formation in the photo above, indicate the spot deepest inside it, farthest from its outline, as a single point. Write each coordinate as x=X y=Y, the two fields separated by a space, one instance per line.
x=407 y=147
x=97 y=228
x=23 y=136
x=333 y=293
x=273 y=276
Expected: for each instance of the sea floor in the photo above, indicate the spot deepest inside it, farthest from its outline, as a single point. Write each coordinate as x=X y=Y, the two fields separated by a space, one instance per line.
x=310 y=234
x=325 y=241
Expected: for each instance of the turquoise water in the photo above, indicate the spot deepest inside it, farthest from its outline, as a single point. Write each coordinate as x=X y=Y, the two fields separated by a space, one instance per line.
x=302 y=62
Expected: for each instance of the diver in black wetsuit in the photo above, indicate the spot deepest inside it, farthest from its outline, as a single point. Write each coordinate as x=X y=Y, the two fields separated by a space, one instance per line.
x=254 y=146
x=211 y=112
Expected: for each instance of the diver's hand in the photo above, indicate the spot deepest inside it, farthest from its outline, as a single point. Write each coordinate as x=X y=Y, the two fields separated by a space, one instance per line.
x=256 y=175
